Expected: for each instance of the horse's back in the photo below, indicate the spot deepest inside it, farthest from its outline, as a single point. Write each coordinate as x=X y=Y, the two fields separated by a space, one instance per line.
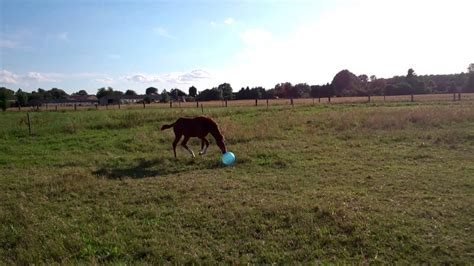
x=195 y=126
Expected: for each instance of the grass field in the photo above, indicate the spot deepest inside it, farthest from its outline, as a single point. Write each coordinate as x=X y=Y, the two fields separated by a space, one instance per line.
x=337 y=183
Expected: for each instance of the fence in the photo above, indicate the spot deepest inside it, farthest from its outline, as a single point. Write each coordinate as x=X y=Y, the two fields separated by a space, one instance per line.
x=258 y=102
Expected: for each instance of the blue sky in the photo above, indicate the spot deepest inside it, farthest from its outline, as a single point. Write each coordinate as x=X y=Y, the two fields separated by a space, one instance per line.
x=89 y=44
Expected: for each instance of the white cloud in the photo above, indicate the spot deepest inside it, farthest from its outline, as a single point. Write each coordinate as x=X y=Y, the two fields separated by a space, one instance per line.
x=229 y=21
x=105 y=80
x=172 y=79
x=187 y=77
x=256 y=37
x=367 y=37
x=143 y=78
x=8 y=77
x=38 y=77
x=163 y=33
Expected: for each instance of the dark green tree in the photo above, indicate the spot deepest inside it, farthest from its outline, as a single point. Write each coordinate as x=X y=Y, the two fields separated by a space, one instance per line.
x=176 y=94
x=192 y=91
x=6 y=95
x=470 y=80
x=165 y=97
x=226 y=91
x=210 y=95
x=300 y=90
x=130 y=92
x=151 y=90
x=21 y=97
x=81 y=92
x=346 y=83
x=109 y=91
x=56 y=93
x=284 y=90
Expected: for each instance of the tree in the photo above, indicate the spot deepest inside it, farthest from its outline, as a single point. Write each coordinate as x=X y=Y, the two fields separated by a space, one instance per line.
x=470 y=80
x=376 y=86
x=109 y=91
x=5 y=96
x=56 y=93
x=130 y=92
x=81 y=92
x=254 y=93
x=226 y=90
x=210 y=94
x=176 y=94
x=346 y=83
x=283 y=90
x=165 y=97
x=151 y=90
x=192 y=91
x=402 y=88
x=300 y=90
x=21 y=97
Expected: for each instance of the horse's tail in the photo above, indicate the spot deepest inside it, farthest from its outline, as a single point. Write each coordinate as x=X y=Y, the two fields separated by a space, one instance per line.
x=167 y=126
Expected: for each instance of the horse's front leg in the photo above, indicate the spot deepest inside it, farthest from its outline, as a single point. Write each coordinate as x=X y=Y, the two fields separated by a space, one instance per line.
x=204 y=145
x=185 y=141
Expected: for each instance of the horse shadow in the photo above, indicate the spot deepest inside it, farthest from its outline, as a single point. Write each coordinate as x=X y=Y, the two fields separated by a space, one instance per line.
x=161 y=166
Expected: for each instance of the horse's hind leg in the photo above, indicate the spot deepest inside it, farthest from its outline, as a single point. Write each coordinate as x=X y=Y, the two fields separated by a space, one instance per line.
x=204 y=145
x=175 y=143
x=185 y=141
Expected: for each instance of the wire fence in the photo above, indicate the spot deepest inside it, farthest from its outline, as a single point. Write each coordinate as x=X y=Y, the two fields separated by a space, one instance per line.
x=254 y=102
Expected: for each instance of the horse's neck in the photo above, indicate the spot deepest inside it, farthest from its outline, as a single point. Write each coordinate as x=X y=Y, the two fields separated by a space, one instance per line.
x=215 y=133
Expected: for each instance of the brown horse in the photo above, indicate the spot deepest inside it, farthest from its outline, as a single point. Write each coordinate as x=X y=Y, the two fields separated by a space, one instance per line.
x=196 y=127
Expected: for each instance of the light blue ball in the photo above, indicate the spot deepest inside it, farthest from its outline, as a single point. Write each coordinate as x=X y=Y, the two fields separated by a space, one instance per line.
x=228 y=158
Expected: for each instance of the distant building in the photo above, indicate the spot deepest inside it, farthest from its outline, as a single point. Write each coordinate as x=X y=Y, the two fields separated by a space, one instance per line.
x=128 y=99
x=80 y=100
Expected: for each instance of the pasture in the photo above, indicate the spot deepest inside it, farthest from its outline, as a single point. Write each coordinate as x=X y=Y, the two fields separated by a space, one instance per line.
x=330 y=183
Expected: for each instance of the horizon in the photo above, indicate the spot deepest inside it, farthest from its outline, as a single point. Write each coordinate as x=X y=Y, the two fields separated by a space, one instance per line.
x=87 y=45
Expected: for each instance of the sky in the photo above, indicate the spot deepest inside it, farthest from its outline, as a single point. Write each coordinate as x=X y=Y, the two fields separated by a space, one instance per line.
x=88 y=44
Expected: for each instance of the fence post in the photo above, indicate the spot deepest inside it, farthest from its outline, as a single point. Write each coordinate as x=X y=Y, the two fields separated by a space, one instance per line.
x=412 y=98
x=291 y=101
x=225 y=102
x=459 y=96
x=256 y=102
x=267 y=103
x=19 y=107
x=202 y=109
x=454 y=96
x=96 y=107
x=29 y=122
x=119 y=105
x=171 y=104
x=369 y=98
x=197 y=104
x=329 y=99
x=56 y=108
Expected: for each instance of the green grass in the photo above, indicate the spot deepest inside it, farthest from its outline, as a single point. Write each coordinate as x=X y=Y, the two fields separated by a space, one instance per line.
x=352 y=183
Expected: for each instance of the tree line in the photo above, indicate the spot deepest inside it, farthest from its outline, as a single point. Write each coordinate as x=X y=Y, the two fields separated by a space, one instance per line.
x=344 y=83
